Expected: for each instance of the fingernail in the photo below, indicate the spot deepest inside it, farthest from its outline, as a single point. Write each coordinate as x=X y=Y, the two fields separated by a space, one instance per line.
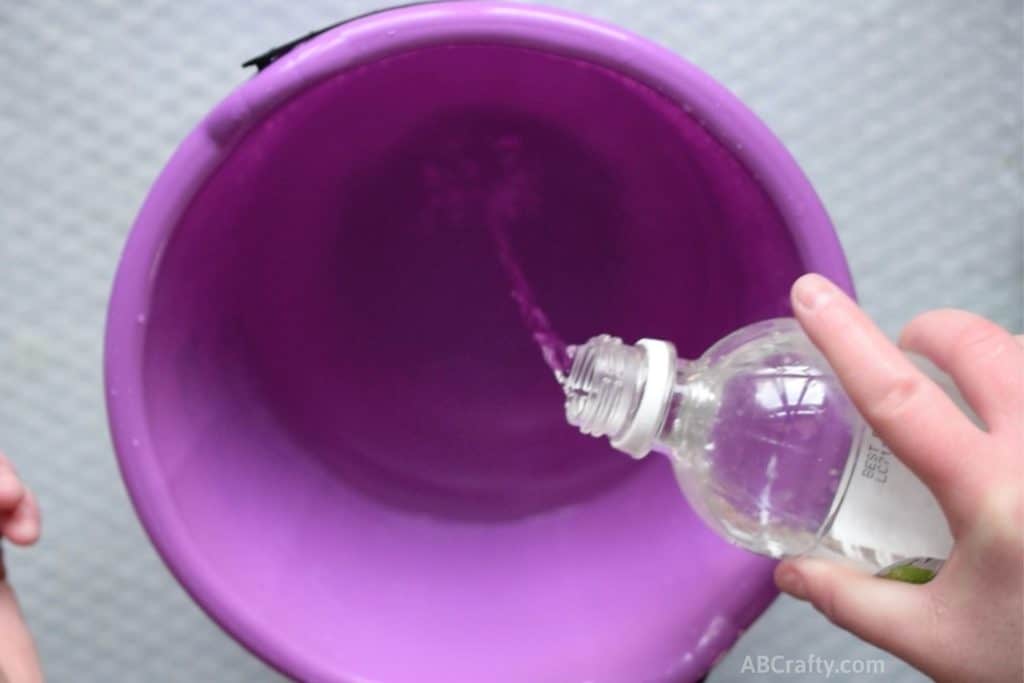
x=811 y=291
x=790 y=581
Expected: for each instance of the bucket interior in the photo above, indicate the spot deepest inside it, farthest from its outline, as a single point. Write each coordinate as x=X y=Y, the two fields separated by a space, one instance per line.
x=359 y=435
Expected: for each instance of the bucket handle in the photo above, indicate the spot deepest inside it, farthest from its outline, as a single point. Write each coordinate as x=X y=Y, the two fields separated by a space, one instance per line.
x=264 y=60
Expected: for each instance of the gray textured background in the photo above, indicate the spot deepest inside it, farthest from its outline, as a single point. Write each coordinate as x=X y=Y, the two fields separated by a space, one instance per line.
x=907 y=116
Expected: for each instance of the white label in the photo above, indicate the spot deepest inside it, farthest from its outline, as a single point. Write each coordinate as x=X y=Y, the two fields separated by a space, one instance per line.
x=887 y=508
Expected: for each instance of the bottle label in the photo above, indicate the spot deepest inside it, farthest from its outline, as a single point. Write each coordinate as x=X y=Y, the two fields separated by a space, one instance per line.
x=888 y=510
x=915 y=570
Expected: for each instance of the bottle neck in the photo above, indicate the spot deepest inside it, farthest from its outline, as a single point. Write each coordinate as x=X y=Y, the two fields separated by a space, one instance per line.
x=687 y=404
x=634 y=394
x=604 y=386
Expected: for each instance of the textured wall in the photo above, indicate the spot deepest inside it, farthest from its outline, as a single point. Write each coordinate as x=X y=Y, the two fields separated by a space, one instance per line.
x=906 y=116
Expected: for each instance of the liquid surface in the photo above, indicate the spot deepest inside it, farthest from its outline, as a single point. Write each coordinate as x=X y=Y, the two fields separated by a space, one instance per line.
x=341 y=394
x=505 y=196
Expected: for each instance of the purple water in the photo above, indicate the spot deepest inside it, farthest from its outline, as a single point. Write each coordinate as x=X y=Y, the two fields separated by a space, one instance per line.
x=348 y=422
x=495 y=180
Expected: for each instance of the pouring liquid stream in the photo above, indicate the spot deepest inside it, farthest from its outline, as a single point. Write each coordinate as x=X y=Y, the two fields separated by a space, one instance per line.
x=504 y=209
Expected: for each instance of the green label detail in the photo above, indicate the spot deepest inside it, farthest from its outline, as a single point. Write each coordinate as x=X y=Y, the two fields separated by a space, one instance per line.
x=916 y=570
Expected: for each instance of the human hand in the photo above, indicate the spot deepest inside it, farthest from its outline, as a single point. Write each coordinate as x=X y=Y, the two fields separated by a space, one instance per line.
x=965 y=624
x=19 y=524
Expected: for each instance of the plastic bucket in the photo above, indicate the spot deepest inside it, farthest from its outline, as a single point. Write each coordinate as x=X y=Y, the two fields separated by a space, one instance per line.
x=333 y=424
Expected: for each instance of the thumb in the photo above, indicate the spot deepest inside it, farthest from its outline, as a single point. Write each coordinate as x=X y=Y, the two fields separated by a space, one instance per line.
x=890 y=614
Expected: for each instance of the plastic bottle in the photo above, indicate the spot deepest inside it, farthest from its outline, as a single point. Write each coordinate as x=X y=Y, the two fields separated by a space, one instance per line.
x=766 y=446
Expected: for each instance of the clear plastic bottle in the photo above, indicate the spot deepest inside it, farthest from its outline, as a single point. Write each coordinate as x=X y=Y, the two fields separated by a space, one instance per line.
x=766 y=446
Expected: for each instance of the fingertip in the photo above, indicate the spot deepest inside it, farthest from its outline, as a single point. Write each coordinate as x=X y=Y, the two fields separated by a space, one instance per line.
x=789 y=580
x=954 y=326
x=810 y=292
x=24 y=526
x=811 y=568
x=980 y=356
x=12 y=491
x=818 y=582
x=23 y=533
x=928 y=323
x=808 y=568
x=909 y=334
x=875 y=609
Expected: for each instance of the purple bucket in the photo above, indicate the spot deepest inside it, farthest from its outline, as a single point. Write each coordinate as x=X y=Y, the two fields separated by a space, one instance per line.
x=332 y=422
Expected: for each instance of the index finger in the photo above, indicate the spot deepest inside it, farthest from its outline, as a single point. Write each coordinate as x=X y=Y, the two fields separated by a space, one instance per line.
x=911 y=414
x=985 y=360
